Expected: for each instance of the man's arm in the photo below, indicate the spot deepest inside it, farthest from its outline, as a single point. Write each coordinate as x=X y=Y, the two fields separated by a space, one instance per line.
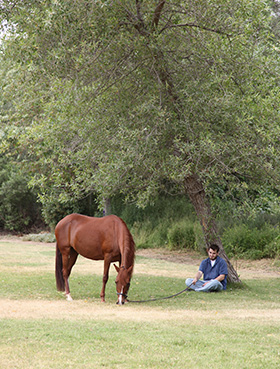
x=220 y=277
x=197 y=277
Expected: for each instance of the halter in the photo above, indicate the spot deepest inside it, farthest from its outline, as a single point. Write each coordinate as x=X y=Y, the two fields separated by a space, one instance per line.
x=123 y=294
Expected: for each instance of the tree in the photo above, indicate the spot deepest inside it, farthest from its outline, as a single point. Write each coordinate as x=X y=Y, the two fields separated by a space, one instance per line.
x=131 y=95
x=18 y=207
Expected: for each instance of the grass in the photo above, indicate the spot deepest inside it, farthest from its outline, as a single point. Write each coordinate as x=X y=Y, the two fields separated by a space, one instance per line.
x=238 y=328
x=92 y=344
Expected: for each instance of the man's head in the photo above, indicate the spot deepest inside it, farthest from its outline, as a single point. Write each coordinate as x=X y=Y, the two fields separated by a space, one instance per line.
x=213 y=251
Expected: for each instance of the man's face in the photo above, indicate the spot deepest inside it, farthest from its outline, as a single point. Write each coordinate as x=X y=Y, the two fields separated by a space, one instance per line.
x=212 y=254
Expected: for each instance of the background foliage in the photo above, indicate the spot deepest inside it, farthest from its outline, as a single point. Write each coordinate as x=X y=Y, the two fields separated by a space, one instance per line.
x=127 y=99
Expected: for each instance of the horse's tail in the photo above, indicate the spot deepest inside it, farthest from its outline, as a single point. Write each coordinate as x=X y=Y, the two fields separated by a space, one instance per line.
x=60 y=284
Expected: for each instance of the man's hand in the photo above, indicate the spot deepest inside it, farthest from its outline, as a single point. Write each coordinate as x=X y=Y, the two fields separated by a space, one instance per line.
x=197 y=277
x=220 y=278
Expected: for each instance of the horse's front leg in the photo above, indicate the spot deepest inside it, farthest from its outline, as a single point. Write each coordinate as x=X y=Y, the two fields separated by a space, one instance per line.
x=107 y=262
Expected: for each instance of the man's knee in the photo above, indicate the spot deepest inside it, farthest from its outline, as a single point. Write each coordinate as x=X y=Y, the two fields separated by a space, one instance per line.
x=216 y=285
x=189 y=282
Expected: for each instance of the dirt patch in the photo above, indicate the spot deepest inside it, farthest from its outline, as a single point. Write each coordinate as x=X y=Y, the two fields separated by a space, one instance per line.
x=181 y=257
x=82 y=310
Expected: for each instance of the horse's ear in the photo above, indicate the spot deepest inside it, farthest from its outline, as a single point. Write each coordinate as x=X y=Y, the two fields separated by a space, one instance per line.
x=129 y=270
x=117 y=268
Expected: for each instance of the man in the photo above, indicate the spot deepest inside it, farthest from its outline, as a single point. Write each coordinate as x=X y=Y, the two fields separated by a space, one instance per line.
x=214 y=270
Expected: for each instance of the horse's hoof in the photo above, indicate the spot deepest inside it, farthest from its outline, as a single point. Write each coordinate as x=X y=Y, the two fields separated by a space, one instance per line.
x=68 y=297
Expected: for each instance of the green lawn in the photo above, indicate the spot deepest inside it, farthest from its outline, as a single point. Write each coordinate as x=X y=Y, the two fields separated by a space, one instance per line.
x=238 y=328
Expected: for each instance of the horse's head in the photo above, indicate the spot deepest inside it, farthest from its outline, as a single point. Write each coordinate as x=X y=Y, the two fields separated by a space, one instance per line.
x=123 y=283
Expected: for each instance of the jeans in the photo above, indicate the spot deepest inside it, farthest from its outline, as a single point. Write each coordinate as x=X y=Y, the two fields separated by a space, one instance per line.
x=212 y=286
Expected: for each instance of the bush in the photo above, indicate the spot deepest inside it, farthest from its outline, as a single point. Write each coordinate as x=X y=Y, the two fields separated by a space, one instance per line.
x=148 y=235
x=250 y=243
x=19 y=210
x=272 y=250
x=150 y=226
x=181 y=235
x=41 y=237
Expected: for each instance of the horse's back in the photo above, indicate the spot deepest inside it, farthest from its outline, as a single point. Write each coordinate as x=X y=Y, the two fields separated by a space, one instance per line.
x=73 y=218
x=79 y=221
x=90 y=236
x=65 y=226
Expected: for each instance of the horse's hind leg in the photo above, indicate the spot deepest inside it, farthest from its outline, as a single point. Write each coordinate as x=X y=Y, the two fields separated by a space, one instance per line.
x=69 y=259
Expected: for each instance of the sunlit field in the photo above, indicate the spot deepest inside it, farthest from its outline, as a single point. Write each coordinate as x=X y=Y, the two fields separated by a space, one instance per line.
x=238 y=328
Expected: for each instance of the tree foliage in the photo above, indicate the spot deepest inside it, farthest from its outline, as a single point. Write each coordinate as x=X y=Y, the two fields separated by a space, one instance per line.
x=18 y=207
x=128 y=96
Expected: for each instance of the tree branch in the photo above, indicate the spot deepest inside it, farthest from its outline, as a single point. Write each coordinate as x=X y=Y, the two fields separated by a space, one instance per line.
x=157 y=12
x=193 y=25
x=138 y=9
x=137 y=21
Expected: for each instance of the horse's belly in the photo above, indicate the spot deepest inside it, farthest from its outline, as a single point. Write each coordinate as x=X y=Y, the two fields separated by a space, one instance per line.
x=91 y=255
x=95 y=251
x=87 y=251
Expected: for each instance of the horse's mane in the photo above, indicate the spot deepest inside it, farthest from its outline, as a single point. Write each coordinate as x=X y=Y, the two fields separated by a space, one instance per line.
x=129 y=247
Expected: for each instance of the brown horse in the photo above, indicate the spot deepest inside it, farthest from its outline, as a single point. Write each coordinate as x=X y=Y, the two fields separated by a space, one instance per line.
x=106 y=238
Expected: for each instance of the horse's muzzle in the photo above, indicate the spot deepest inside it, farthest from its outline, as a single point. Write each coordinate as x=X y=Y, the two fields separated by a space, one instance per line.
x=121 y=298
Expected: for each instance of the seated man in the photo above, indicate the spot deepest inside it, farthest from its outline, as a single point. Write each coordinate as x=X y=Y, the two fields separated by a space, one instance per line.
x=214 y=270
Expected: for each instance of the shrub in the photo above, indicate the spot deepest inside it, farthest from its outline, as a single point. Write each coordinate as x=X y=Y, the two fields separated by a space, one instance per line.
x=250 y=243
x=272 y=250
x=200 y=244
x=148 y=235
x=41 y=237
x=18 y=206
x=150 y=226
x=181 y=235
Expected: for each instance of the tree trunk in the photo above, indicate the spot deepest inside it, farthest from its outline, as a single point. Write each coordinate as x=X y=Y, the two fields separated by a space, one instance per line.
x=195 y=190
x=107 y=207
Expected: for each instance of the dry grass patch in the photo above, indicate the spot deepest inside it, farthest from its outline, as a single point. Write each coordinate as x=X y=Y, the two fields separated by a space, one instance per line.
x=76 y=310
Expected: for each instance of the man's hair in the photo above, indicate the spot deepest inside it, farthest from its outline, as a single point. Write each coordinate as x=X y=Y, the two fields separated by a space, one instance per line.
x=214 y=247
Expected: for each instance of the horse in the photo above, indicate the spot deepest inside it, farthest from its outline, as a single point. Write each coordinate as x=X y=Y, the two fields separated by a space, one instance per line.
x=106 y=238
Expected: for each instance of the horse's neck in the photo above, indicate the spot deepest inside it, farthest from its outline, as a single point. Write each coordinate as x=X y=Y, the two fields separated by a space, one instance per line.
x=127 y=247
x=127 y=252
x=127 y=258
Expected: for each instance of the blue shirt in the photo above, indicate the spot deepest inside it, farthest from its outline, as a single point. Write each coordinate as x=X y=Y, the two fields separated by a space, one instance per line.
x=220 y=267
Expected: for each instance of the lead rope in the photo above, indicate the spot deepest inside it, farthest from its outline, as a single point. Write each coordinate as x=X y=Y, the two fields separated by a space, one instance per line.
x=160 y=298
